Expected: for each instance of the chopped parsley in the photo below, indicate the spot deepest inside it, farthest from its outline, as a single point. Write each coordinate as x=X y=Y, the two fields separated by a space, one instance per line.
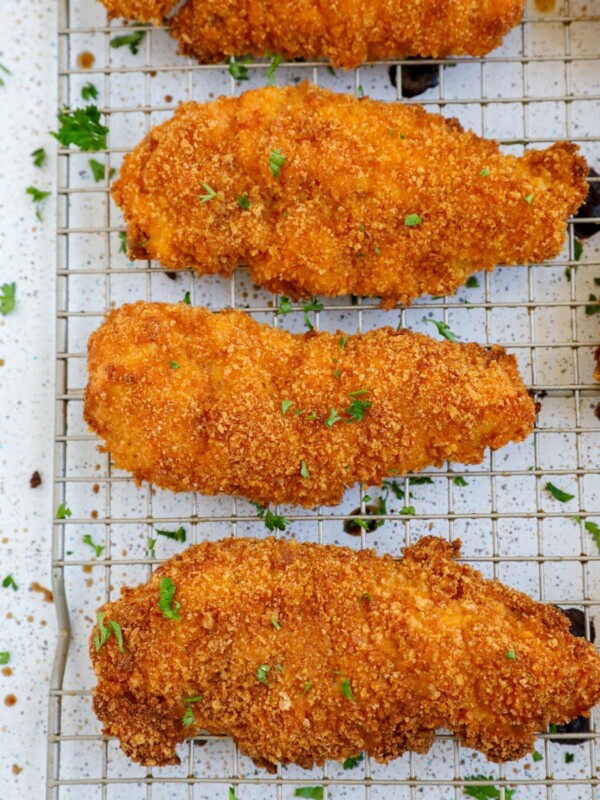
x=486 y=792
x=98 y=548
x=10 y=583
x=166 y=604
x=275 y=624
x=472 y=283
x=356 y=409
x=179 y=535
x=285 y=406
x=122 y=241
x=276 y=60
x=307 y=687
x=6 y=71
x=528 y=199
x=312 y=305
x=244 y=201
x=102 y=634
x=38 y=198
x=187 y=299
x=304 y=469
x=365 y=596
x=8 y=301
x=210 y=193
x=4 y=657
x=343 y=340
x=412 y=221
x=407 y=511
x=537 y=756
x=346 y=690
x=284 y=307
x=116 y=629
x=577 y=249
x=89 y=92
x=173 y=365
x=188 y=717
x=558 y=494
x=313 y=792
x=485 y=173
x=443 y=329
x=276 y=160
x=569 y=758
x=350 y=763
x=82 y=128
x=131 y=40
x=593 y=306
x=63 y=512
x=419 y=481
x=151 y=544
x=272 y=521
x=39 y=157
x=460 y=481
x=261 y=673
x=592 y=528
x=332 y=418
x=237 y=67
x=360 y=91
x=232 y=795
x=511 y=655
x=99 y=170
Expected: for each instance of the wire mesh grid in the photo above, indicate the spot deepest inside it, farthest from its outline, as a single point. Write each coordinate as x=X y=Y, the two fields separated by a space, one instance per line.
x=543 y=84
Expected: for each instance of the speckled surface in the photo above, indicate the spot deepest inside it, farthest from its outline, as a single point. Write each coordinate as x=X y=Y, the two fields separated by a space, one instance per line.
x=509 y=524
x=27 y=629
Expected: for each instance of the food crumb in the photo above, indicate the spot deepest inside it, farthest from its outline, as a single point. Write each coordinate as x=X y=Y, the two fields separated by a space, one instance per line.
x=48 y=596
x=10 y=700
x=16 y=769
x=7 y=671
x=35 y=480
x=86 y=60
x=96 y=488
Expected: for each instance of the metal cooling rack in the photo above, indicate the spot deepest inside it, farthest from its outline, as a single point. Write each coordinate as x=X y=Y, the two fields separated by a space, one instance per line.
x=542 y=85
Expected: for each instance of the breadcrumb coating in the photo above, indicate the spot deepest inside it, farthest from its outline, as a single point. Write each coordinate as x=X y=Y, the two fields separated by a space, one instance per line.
x=367 y=653
x=347 y=32
x=216 y=402
x=321 y=193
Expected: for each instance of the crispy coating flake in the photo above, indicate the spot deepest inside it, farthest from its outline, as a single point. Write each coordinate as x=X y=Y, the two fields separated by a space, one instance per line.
x=215 y=422
x=424 y=643
x=333 y=221
x=347 y=32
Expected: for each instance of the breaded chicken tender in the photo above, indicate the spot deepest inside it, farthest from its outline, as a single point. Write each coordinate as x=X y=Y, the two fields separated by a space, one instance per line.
x=216 y=402
x=347 y=32
x=321 y=193
x=305 y=652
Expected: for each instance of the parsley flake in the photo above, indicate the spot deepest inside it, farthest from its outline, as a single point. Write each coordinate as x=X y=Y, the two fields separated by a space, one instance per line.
x=4 y=657
x=304 y=469
x=312 y=305
x=592 y=528
x=210 y=193
x=577 y=250
x=244 y=201
x=82 y=128
x=173 y=365
x=346 y=690
x=285 y=406
x=356 y=410
x=276 y=160
x=276 y=60
x=98 y=548
x=39 y=157
x=102 y=634
x=167 y=591
x=188 y=717
x=443 y=329
x=460 y=481
x=261 y=673
x=6 y=71
x=419 y=481
x=593 y=307
x=558 y=494
x=272 y=521
x=352 y=762
x=307 y=687
x=569 y=758
x=365 y=596
x=407 y=511
x=38 y=198
x=275 y=624
x=131 y=40
x=8 y=293
x=151 y=544
x=237 y=67
x=89 y=92
x=179 y=535
x=412 y=221
x=187 y=299
x=313 y=792
x=284 y=307
x=511 y=655
x=232 y=795
x=528 y=199
x=122 y=241
x=63 y=512
x=99 y=170
x=343 y=340
x=537 y=756
x=472 y=283
x=10 y=583
x=116 y=629
x=486 y=792
x=485 y=173
x=333 y=418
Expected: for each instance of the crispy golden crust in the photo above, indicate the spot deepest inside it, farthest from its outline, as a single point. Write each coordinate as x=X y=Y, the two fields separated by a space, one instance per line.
x=424 y=643
x=214 y=423
x=333 y=221
x=347 y=32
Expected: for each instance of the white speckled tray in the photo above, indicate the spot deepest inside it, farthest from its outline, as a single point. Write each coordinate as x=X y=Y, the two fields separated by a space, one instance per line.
x=543 y=84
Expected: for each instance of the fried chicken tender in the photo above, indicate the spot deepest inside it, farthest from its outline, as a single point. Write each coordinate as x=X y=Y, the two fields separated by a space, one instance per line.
x=347 y=32
x=216 y=402
x=321 y=193
x=367 y=653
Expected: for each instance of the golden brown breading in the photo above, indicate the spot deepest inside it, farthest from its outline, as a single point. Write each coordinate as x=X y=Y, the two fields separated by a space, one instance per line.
x=366 y=653
x=214 y=422
x=334 y=220
x=347 y=32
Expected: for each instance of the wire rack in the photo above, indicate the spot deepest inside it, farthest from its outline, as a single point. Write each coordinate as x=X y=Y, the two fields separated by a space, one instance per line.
x=542 y=85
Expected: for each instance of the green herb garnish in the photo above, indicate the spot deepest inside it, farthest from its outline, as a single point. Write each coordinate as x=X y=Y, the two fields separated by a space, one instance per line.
x=511 y=655
x=313 y=792
x=99 y=170
x=151 y=544
x=558 y=494
x=261 y=673
x=486 y=792
x=98 y=548
x=10 y=583
x=407 y=511
x=276 y=60
x=187 y=299
x=276 y=160
x=528 y=199
x=210 y=193
x=304 y=469
x=89 y=92
x=569 y=758
x=350 y=763
x=343 y=340
x=38 y=198
x=412 y=220
x=39 y=157
x=285 y=406
x=485 y=173
x=166 y=604
x=577 y=250
x=4 y=657
x=237 y=67
x=179 y=535
x=592 y=528
x=460 y=481
x=443 y=329
x=365 y=596
x=63 y=512
x=275 y=624
x=122 y=241
x=6 y=71
x=593 y=307
x=356 y=409
x=82 y=128
x=173 y=365
x=272 y=521
x=8 y=299
x=346 y=690
x=188 y=717
x=102 y=634
x=312 y=305
x=244 y=201
x=332 y=418
x=116 y=629
x=472 y=283
x=131 y=40
x=285 y=306
x=537 y=756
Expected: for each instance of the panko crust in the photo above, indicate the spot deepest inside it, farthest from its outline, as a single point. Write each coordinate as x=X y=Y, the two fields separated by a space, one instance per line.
x=214 y=423
x=347 y=32
x=424 y=643
x=333 y=222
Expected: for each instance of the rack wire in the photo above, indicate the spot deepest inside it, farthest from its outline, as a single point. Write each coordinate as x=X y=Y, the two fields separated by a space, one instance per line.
x=543 y=84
